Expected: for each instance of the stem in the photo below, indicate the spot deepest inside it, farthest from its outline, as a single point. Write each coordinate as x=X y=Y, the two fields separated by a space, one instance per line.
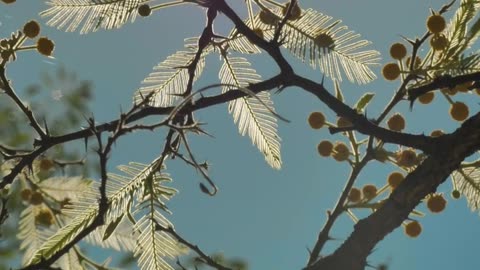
x=323 y=236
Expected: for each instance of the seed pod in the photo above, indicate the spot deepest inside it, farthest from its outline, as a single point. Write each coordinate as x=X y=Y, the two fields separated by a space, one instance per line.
x=436 y=203
x=316 y=120
x=45 y=46
x=426 y=98
x=354 y=195
x=436 y=23
x=325 y=148
x=340 y=152
x=413 y=229
x=459 y=111
x=391 y=71
x=407 y=158
x=398 y=51
x=144 y=10
x=394 y=179
x=31 y=29
x=36 y=198
x=396 y=122
x=369 y=191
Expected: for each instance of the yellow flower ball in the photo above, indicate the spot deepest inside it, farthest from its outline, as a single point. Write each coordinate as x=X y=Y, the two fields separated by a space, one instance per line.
x=380 y=154
x=391 y=71
x=26 y=194
x=438 y=42
x=436 y=203
x=267 y=18
x=324 y=41
x=398 y=51
x=459 y=111
x=36 y=198
x=46 y=164
x=340 y=152
x=396 y=122
x=369 y=191
x=144 y=10
x=407 y=158
x=436 y=23
x=45 y=46
x=437 y=133
x=394 y=179
x=316 y=120
x=464 y=87
x=413 y=229
x=456 y=194
x=325 y=148
x=354 y=195
x=31 y=29
x=450 y=91
x=44 y=217
x=426 y=98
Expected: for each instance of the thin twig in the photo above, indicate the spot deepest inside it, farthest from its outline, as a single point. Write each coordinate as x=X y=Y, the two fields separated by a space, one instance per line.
x=28 y=113
x=208 y=260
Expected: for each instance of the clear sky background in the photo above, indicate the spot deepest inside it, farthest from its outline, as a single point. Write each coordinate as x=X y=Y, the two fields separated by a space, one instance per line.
x=265 y=216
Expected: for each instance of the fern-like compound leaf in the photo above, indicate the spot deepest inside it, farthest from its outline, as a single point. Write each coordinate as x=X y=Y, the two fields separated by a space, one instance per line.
x=154 y=246
x=453 y=60
x=317 y=40
x=71 y=188
x=460 y=39
x=249 y=114
x=120 y=190
x=169 y=78
x=240 y=43
x=467 y=181
x=91 y=14
x=32 y=235
x=65 y=235
x=70 y=261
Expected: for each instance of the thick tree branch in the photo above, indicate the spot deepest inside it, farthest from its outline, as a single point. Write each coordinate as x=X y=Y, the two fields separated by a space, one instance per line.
x=425 y=179
x=360 y=122
x=440 y=82
x=204 y=102
x=324 y=236
x=272 y=48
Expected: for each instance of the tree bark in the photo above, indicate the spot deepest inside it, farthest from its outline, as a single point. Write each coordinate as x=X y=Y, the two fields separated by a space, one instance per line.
x=451 y=150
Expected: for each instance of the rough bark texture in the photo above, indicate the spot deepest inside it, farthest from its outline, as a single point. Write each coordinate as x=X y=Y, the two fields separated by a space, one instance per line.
x=434 y=170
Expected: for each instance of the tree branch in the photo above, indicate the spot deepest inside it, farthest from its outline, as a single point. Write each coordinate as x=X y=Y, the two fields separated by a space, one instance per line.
x=425 y=179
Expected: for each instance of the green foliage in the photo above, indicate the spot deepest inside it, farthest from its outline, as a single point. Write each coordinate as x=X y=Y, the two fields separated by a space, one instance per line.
x=169 y=79
x=250 y=115
x=467 y=181
x=91 y=14
x=362 y=103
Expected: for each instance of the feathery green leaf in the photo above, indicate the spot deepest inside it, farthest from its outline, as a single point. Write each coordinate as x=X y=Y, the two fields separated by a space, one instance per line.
x=249 y=114
x=467 y=181
x=170 y=77
x=91 y=14
x=315 y=39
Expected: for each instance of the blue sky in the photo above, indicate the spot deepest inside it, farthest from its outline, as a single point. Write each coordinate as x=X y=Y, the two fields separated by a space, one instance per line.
x=265 y=216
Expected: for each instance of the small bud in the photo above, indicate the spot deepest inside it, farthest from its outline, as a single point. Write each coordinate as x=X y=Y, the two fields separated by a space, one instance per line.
x=31 y=29
x=144 y=10
x=45 y=46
